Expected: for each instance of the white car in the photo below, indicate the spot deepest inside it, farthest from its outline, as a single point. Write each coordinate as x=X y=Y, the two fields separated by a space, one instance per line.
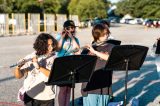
x=136 y=21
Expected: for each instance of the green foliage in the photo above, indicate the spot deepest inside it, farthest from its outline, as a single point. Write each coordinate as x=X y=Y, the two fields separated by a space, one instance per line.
x=46 y=6
x=5 y=6
x=87 y=9
x=72 y=7
x=51 y=6
x=83 y=8
x=139 y=8
x=30 y=6
x=157 y=15
x=64 y=4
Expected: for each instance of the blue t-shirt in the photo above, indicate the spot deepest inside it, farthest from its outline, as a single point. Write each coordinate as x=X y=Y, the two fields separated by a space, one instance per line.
x=67 y=46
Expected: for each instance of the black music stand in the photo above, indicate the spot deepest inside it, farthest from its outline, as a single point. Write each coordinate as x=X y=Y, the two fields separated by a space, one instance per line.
x=158 y=47
x=99 y=80
x=126 y=57
x=72 y=69
x=113 y=41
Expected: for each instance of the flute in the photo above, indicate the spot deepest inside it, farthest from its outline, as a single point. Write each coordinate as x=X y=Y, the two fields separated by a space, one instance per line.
x=75 y=50
x=20 y=63
x=27 y=60
x=94 y=45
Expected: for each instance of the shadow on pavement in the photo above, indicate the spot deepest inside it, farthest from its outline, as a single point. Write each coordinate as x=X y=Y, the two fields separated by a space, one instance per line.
x=143 y=84
x=6 y=79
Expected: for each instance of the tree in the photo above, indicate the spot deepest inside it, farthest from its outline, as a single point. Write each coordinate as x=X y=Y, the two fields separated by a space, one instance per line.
x=64 y=5
x=51 y=6
x=72 y=7
x=87 y=9
x=5 y=6
x=47 y=6
x=139 y=8
x=30 y=6
x=84 y=9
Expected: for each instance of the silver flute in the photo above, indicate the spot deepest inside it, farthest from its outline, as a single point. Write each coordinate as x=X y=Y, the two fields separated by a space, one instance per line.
x=30 y=59
x=20 y=63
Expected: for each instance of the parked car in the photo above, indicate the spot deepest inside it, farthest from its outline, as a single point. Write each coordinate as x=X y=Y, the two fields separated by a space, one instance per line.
x=114 y=19
x=148 y=22
x=85 y=23
x=95 y=21
x=125 y=21
x=156 y=23
x=136 y=21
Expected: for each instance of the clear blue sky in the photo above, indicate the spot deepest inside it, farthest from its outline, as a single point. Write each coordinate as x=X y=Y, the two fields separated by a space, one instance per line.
x=114 y=1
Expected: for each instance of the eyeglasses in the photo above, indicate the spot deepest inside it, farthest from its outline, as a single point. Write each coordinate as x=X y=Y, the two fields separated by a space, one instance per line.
x=70 y=27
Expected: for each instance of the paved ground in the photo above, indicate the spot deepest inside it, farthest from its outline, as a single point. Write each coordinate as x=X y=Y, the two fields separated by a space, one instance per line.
x=143 y=84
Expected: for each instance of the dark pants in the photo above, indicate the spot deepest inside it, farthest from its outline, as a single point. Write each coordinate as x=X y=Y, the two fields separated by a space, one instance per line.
x=28 y=101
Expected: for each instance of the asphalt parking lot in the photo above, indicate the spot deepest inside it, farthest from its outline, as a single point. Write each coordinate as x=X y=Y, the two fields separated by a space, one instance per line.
x=143 y=84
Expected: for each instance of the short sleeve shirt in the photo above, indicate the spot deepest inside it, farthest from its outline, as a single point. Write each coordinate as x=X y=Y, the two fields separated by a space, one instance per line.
x=67 y=46
x=34 y=82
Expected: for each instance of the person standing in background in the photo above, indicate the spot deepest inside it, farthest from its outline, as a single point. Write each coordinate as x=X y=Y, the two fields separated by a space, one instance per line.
x=67 y=42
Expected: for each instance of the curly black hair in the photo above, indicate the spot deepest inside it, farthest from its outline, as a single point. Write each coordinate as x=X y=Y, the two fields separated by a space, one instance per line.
x=41 y=43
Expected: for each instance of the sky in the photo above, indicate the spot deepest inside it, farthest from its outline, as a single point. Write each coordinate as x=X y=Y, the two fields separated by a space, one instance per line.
x=114 y=1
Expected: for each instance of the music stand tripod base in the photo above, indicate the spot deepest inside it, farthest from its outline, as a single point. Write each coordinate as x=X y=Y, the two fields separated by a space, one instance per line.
x=72 y=69
x=126 y=58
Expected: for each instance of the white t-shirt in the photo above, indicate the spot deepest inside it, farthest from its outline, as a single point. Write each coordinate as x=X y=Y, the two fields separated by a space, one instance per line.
x=34 y=83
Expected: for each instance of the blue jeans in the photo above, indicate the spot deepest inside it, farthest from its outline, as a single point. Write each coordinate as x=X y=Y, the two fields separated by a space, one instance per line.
x=95 y=100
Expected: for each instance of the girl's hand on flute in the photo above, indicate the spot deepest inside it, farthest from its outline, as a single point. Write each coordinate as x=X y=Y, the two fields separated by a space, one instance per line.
x=21 y=62
x=35 y=62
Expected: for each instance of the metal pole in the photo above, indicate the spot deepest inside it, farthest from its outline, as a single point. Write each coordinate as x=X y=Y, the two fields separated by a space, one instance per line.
x=73 y=86
x=126 y=78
